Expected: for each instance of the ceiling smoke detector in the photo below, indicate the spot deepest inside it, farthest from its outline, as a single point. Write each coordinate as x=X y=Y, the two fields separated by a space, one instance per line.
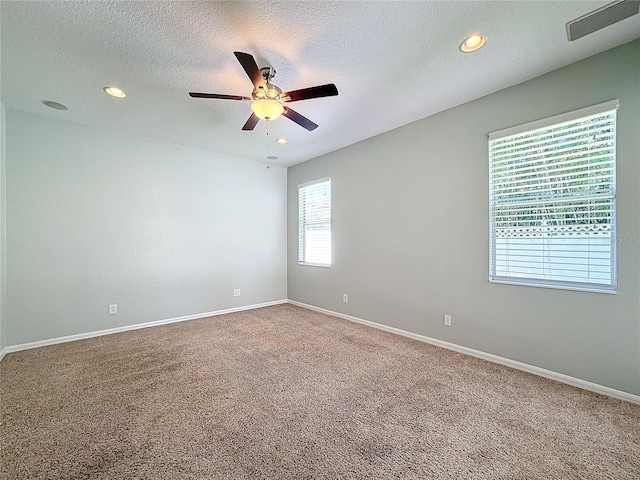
x=55 y=105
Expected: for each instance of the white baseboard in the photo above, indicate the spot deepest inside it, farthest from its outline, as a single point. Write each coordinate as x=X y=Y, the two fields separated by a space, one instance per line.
x=82 y=336
x=559 y=377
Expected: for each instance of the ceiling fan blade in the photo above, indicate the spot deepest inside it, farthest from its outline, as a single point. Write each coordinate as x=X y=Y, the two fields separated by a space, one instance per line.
x=328 y=90
x=251 y=67
x=251 y=123
x=216 y=95
x=299 y=119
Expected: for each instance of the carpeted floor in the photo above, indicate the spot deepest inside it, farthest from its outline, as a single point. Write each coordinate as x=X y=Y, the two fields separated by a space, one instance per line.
x=287 y=393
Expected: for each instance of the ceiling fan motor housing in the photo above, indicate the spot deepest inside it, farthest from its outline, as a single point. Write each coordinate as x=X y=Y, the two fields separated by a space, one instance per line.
x=272 y=92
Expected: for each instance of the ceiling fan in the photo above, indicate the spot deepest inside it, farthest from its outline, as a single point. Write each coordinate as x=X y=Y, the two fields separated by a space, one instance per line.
x=267 y=98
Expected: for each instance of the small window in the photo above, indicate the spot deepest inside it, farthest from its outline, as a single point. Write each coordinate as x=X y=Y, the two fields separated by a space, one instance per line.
x=552 y=201
x=314 y=223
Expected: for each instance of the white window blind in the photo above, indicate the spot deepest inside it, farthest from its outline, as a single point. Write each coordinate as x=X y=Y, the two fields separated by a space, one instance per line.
x=314 y=223
x=552 y=201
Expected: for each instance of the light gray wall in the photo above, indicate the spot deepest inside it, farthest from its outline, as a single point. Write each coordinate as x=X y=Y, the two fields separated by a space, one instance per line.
x=410 y=222
x=97 y=217
x=3 y=282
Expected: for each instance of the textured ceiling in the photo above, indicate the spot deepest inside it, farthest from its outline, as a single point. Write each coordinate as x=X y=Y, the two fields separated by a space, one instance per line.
x=393 y=63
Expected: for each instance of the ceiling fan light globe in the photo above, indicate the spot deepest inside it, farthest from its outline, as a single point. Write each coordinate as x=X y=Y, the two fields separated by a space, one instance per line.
x=267 y=109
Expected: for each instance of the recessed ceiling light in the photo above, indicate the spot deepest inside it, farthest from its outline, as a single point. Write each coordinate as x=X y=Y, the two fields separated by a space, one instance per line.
x=114 y=92
x=55 y=105
x=472 y=43
x=282 y=141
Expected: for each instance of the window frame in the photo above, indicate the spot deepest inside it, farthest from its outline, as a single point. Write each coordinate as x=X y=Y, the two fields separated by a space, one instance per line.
x=301 y=250
x=551 y=122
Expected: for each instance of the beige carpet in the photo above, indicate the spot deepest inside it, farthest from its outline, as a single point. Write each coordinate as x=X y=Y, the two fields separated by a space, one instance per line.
x=286 y=393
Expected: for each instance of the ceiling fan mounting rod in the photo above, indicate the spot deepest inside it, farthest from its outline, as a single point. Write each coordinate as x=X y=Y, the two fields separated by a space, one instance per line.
x=268 y=73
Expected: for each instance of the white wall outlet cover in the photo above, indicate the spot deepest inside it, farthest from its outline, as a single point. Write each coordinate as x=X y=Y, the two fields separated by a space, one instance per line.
x=113 y=309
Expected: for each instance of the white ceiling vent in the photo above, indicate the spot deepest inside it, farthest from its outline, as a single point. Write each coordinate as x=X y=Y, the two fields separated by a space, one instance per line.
x=601 y=18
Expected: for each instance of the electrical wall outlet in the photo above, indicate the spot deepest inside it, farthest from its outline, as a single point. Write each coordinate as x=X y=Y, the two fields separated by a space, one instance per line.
x=113 y=309
x=236 y=292
x=345 y=298
x=447 y=320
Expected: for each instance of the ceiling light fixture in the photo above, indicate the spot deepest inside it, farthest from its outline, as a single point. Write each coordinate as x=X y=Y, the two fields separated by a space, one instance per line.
x=267 y=109
x=114 y=92
x=472 y=43
x=282 y=141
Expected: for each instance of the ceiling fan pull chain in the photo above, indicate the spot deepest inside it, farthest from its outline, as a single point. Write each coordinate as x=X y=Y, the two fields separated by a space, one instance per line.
x=268 y=146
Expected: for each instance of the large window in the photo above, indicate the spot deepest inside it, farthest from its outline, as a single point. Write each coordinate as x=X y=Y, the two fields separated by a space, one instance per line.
x=314 y=223
x=552 y=201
